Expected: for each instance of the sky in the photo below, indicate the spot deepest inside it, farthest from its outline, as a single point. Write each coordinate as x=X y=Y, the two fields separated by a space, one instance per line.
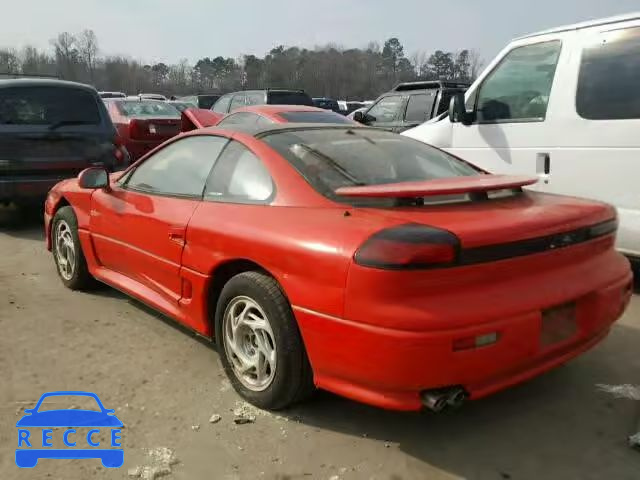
x=162 y=30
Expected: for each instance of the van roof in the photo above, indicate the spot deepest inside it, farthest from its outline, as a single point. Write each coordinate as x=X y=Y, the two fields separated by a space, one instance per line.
x=589 y=23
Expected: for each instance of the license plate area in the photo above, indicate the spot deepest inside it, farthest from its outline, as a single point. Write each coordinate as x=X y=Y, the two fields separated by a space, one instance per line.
x=558 y=324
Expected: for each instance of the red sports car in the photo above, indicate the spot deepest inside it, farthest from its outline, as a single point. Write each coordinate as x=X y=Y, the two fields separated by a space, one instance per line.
x=349 y=259
x=142 y=125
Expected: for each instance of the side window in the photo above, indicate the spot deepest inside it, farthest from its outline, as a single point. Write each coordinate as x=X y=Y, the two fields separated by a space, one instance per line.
x=609 y=74
x=518 y=88
x=222 y=105
x=419 y=107
x=239 y=176
x=237 y=102
x=255 y=98
x=386 y=110
x=239 y=118
x=181 y=168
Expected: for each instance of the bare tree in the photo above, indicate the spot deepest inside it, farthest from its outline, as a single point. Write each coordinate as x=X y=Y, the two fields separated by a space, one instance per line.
x=67 y=56
x=88 y=50
x=475 y=64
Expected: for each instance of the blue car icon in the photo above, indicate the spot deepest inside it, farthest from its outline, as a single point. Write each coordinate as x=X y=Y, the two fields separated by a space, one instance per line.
x=28 y=453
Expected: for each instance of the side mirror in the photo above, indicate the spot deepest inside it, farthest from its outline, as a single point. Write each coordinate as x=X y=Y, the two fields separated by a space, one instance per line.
x=458 y=110
x=359 y=117
x=93 y=178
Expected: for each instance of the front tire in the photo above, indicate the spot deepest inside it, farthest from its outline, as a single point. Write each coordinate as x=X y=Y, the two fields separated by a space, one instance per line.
x=67 y=252
x=260 y=345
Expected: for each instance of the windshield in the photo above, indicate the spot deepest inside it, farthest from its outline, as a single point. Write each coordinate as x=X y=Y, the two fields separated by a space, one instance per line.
x=289 y=98
x=314 y=117
x=47 y=106
x=339 y=157
x=148 y=108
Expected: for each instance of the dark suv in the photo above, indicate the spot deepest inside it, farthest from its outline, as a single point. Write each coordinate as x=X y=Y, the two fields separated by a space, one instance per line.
x=51 y=130
x=271 y=96
x=410 y=104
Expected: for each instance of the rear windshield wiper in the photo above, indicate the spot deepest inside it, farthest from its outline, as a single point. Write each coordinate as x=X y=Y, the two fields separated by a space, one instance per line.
x=339 y=168
x=63 y=123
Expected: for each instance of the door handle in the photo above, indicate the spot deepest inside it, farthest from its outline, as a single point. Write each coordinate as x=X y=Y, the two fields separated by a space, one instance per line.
x=177 y=235
x=543 y=166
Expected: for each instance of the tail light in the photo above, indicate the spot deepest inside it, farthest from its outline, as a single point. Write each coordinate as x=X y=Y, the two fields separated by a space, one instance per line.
x=408 y=247
x=138 y=129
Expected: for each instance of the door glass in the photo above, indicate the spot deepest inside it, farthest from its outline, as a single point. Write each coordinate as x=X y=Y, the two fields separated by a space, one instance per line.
x=518 y=88
x=255 y=98
x=609 y=75
x=386 y=110
x=419 y=107
x=180 y=168
x=237 y=102
x=222 y=105
x=239 y=176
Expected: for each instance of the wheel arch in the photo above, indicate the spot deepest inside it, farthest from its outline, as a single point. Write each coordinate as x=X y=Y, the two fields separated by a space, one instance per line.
x=224 y=272
x=60 y=202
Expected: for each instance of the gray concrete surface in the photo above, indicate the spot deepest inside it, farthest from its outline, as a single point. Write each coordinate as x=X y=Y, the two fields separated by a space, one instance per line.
x=163 y=381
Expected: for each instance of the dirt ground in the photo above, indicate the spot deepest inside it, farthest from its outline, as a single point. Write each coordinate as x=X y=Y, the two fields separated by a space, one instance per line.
x=165 y=384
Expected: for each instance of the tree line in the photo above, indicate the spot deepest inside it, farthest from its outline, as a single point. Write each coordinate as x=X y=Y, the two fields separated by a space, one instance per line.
x=329 y=71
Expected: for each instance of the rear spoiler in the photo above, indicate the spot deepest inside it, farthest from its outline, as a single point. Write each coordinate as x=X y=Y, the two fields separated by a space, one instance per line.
x=194 y=118
x=440 y=186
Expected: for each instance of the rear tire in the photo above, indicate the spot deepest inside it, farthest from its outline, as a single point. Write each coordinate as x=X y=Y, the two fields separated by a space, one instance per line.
x=67 y=251
x=261 y=348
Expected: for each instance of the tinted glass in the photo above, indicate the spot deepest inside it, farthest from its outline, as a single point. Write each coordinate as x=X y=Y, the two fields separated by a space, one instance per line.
x=519 y=87
x=149 y=108
x=255 y=98
x=289 y=98
x=222 y=104
x=326 y=104
x=314 y=117
x=239 y=118
x=237 y=101
x=239 y=176
x=181 y=168
x=206 y=101
x=387 y=109
x=609 y=76
x=47 y=106
x=419 y=107
x=333 y=158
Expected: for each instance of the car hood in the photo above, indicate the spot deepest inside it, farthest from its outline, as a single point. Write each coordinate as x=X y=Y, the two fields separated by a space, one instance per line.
x=69 y=418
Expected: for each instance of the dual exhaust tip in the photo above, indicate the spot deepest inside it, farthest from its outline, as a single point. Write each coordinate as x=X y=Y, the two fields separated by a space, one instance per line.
x=439 y=399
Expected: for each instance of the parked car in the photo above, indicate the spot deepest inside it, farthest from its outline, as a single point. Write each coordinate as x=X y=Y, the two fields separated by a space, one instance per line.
x=271 y=96
x=326 y=104
x=201 y=101
x=355 y=112
x=112 y=94
x=347 y=258
x=269 y=114
x=562 y=104
x=353 y=106
x=180 y=105
x=50 y=130
x=143 y=124
x=409 y=104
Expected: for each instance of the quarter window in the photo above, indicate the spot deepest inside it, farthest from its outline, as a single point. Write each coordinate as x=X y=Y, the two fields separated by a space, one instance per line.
x=181 y=168
x=518 y=88
x=386 y=110
x=239 y=176
x=608 y=78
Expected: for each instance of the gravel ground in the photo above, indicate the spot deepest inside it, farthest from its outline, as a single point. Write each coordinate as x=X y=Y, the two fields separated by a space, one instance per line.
x=168 y=388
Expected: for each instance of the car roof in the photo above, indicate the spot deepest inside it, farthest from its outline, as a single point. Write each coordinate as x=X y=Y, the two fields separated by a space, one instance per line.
x=43 y=82
x=274 y=109
x=587 y=24
x=428 y=85
x=261 y=130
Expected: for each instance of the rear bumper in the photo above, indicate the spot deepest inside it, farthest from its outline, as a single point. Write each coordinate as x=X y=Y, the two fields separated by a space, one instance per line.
x=28 y=188
x=389 y=367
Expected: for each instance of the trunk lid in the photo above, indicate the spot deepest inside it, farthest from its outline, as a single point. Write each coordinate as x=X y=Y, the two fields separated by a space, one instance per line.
x=521 y=216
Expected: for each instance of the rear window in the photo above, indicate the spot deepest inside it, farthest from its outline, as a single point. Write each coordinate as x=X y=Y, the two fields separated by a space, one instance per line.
x=339 y=157
x=148 y=109
x=314 y=117
x=290 y=98
x=47 y=106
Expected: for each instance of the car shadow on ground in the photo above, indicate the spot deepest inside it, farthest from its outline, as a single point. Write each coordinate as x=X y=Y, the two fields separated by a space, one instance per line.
x=22 y=222
x=557 y=426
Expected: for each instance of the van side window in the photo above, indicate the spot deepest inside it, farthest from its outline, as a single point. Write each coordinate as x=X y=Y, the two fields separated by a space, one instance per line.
x=609 y=75
x=518 y=88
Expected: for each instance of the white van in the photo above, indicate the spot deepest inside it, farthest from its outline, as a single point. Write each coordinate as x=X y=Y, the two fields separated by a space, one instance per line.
x=563 y=104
